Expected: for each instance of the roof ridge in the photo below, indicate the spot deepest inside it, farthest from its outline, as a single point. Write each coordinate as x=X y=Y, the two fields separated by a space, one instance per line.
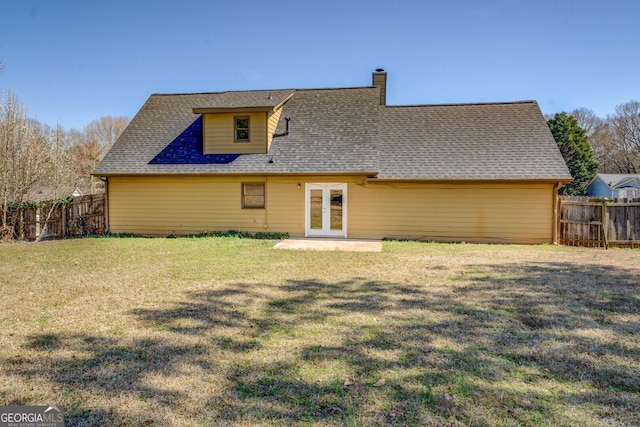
x=338 y=88
x=463 y=104
x=222 y=92
x=262 y=90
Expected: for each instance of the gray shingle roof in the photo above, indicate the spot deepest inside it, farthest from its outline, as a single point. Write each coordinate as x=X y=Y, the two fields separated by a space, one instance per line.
x=468 y=141
x=346 y=131
x=618 y=180
x=245 y=99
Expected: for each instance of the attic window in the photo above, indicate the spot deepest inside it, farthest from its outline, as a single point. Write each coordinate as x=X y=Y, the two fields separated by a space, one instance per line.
x=241 y=129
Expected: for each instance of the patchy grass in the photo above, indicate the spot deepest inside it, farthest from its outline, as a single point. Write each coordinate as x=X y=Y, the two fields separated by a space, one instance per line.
x=229 y=331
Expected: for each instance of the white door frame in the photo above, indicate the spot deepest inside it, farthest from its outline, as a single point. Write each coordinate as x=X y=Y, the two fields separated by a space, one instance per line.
x=326 y=208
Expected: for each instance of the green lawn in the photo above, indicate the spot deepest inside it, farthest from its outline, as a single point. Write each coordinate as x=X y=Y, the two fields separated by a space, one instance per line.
x=226 y=331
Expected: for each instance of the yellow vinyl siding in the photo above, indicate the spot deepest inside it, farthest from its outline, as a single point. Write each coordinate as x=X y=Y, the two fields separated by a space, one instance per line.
x=179 y=205
x=507 y=213
x=165 y=205
x=219 y=134
x=516 y=213
x=285 y=206
x=272 y=123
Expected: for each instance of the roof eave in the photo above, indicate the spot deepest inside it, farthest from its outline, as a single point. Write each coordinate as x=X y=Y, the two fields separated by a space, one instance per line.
x=216 y=110
x=239 y=173
x=252 y=109
x=473 y=180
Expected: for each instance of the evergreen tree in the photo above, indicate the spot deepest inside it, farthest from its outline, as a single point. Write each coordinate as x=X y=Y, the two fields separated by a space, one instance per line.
x=577 y=153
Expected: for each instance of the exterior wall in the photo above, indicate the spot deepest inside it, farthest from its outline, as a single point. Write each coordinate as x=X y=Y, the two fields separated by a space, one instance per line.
x=191 y=204
x=630 y=192
x=599 y=188
x=506 y=213
x=218 y=134
x=272 y=123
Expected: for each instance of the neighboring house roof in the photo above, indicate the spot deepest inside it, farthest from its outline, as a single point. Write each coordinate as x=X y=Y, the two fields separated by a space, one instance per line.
x=345 y=131
x=45 y=194
x=630 y=182
x=618 y=180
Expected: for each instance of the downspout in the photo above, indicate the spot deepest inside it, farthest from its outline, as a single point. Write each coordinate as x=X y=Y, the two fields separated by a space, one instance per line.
x=556 y=212
x=265 y=224
x=106 y=204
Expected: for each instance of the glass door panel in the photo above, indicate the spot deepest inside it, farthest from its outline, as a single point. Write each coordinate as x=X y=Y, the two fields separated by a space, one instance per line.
x=316 y=209
x=336 y=210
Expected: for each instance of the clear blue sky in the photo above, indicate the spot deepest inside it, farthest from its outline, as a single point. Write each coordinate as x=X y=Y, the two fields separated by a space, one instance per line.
x=73 y=61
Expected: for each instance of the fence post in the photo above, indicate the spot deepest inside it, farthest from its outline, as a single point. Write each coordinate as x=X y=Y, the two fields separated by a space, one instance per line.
x=605 y=223
x=63 y=216
x=557 y=226
x=21 y=222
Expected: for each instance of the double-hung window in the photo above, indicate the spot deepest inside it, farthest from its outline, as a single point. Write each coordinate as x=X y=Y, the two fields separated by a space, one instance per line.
x=241 y=131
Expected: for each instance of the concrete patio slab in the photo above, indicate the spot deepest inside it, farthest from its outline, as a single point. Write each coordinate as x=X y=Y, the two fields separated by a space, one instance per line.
x=324 y=244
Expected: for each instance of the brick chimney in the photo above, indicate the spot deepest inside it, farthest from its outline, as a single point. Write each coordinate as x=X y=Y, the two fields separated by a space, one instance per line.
x=380 y=80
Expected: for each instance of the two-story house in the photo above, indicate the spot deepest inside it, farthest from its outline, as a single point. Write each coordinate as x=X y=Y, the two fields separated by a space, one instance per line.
x=335 y=162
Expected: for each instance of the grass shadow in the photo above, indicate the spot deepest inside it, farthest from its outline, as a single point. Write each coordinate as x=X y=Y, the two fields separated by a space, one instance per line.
x=513 y=344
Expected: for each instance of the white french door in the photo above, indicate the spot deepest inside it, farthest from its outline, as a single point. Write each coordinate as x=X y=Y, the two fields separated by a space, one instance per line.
x=326 y=210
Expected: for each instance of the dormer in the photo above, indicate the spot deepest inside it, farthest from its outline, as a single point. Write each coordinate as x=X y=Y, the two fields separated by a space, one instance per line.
x=242 y=122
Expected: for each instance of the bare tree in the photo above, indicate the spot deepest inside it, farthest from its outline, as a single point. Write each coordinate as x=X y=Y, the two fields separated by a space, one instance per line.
x=85 y=155
x=626 y=131
x=615 y=140
x=105 y=131
x=598 y=133
x=604 y=147
x=587 y=120
x=34 y=162
x=89 y=147
x=23 y=154
x=59 y=174
x=38 y=163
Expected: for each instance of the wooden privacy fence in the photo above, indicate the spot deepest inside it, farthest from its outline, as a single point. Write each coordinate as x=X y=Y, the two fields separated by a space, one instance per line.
x=588 y=221
x=81 y=216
